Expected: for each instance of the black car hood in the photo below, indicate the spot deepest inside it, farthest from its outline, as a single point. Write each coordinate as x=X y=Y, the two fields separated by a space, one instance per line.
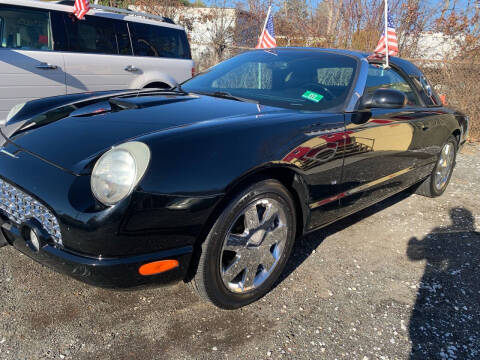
x=70 y=134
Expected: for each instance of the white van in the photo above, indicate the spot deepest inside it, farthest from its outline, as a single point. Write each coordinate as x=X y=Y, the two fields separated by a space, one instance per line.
x=46 y=51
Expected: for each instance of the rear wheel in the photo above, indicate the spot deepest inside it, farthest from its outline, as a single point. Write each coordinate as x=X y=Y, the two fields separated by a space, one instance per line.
x=436 y=184
x=248 y=246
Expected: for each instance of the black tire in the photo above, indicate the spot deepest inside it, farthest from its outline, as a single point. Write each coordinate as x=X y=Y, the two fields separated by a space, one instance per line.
x=427 y=187
x=208 y=282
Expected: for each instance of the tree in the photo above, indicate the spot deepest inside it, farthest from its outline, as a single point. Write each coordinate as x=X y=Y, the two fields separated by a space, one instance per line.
x=169 y=8
x=116 y=3
x=462 y=25
x=151 y=3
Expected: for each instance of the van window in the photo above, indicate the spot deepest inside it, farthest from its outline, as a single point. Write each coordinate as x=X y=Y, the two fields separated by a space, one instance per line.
x=94 y=35
x=1 y=28
x=58 y=30
x=159 y=41
x=25 y=29
x=123 y=38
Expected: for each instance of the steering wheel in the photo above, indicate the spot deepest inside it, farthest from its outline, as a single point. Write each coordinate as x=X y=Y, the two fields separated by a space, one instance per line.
x=324 y=90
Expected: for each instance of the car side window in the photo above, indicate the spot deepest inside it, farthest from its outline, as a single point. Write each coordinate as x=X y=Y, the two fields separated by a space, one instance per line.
x=25 y=29
x=159 y=41
x=94 y=35
x=429 y=97
x=380 y=78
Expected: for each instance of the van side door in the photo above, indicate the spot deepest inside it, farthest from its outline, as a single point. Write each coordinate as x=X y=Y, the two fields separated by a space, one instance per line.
x=162 y=53
x=29 y=66
x=98 y=53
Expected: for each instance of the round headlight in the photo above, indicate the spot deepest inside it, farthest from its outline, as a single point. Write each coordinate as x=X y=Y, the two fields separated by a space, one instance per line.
x=118 y=171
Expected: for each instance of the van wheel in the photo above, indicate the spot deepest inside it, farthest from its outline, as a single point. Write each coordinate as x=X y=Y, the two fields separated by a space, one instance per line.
x=157 y=85
x=247 y=247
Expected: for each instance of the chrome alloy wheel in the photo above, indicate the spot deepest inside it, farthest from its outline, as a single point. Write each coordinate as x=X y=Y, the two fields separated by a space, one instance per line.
x=253 y=245
x=444 y=166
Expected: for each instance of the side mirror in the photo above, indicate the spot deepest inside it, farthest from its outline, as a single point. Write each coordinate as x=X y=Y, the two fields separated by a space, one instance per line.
x=386 y=99
x=361 y=117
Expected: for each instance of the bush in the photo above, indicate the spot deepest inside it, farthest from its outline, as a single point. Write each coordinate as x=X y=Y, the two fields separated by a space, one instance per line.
x=460 y=83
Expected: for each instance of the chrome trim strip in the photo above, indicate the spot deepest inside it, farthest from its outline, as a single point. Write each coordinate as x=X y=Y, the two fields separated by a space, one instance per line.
x=359 y=188
x=325 y=131
x=3 y=151
x=359 y=86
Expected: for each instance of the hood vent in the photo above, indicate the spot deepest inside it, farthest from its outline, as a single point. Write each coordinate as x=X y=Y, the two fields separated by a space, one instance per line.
x=93 y=109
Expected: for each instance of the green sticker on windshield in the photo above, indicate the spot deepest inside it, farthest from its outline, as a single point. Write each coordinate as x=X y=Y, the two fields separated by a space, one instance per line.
x=312 y=96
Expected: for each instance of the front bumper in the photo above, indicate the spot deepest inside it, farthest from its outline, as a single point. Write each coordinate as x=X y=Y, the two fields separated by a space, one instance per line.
x=121 y=272
x=103 y=246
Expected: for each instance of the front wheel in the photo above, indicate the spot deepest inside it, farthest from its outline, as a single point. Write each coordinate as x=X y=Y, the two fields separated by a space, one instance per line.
x=436 y=184
x=247 y=247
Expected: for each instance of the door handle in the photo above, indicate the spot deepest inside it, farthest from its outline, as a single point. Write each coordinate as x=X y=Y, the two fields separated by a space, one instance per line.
x=131 y=68
x=424 y=128
x=46 y=66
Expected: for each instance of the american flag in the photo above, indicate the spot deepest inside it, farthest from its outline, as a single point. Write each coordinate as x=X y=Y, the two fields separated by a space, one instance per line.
x=392 y=41
x=267 y=38
x=80 y=8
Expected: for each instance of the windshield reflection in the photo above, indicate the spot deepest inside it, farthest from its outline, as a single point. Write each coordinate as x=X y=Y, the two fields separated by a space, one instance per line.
x=289 y=78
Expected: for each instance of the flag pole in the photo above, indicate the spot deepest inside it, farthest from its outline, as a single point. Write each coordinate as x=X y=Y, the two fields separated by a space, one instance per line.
x=386 y=35
x=261 y=34
x=266 y=21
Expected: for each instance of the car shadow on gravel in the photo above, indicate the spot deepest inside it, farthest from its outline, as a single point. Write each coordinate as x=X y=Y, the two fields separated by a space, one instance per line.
x=305 y=245
x=445 y=321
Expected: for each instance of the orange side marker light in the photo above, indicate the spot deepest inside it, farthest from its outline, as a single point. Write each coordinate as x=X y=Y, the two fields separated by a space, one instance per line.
x=443 y=99
x=157 y=267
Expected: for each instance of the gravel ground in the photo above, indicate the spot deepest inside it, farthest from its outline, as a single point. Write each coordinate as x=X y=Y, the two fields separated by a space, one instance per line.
x=395 y=281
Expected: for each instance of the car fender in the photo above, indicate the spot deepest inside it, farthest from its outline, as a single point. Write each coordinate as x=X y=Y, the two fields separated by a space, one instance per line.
x=289 y=175
x=216 y=157
x=212 y=156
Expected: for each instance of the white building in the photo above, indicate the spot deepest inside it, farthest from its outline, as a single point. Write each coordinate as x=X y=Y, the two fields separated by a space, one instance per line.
x=437 y=46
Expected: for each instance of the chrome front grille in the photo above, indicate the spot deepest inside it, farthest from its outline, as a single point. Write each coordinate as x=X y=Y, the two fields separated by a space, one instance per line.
x=20 y=207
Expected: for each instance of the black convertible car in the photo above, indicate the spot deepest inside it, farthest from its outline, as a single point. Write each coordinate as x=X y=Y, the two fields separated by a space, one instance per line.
x=211 y=182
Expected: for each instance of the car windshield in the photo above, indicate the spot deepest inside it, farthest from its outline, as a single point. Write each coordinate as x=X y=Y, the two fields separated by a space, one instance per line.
x=289 y=78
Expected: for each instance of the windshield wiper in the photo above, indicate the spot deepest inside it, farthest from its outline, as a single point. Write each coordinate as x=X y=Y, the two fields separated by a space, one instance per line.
x=179 y=88
x=226 y=95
